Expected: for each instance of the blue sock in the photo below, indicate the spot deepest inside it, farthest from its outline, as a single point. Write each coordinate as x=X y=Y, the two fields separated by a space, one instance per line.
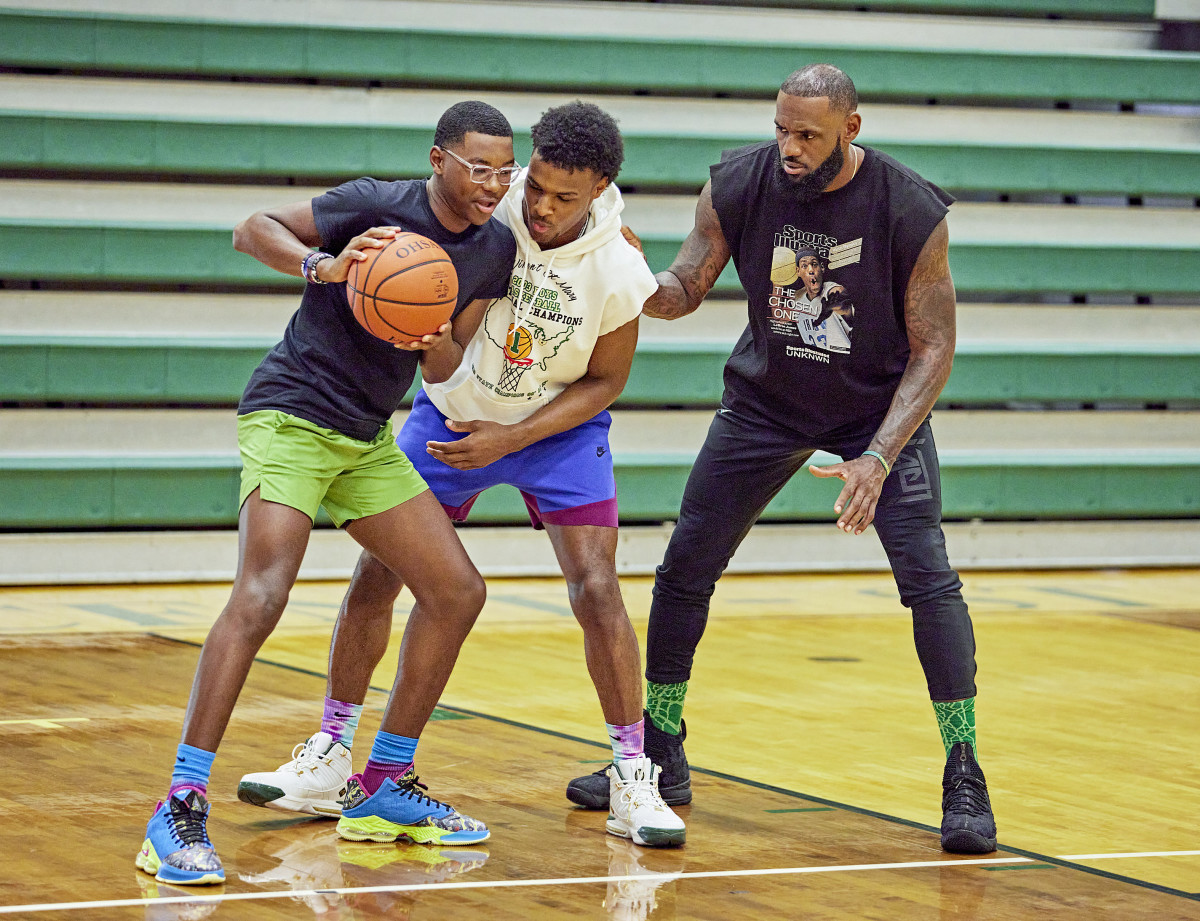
x=193 y=766
x=393 y=749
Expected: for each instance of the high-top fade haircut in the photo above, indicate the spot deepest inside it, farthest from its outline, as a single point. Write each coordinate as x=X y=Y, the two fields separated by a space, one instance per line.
x=818 y=80
x=471 y=115
x=580 y=136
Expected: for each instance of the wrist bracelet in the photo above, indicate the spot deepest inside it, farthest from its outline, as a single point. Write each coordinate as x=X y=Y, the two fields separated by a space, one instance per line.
x=308 y=268
x=887 y=468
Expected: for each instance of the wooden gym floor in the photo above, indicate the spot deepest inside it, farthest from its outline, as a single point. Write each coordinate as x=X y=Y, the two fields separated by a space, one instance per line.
x=817 y=763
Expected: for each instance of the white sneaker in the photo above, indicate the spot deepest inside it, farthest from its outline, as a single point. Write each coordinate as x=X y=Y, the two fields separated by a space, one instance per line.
x=636 y=809
x=314 y=781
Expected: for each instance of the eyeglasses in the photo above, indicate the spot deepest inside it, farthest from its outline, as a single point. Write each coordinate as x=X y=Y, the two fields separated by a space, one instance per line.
x=481 y=174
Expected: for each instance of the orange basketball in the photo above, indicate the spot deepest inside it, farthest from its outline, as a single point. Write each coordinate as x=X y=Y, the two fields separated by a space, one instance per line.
x=404 y=290
x=518 y=343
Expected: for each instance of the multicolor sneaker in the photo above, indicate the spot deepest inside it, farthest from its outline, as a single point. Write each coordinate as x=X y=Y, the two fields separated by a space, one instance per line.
x=664 y=749
x=177 y=849
x=313 y=782
x=968 y=826
x=401 y=811
x=636 y=809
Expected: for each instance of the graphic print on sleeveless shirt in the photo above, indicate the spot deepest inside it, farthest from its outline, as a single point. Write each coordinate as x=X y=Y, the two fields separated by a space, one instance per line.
x=530 y=325
x=807 y=301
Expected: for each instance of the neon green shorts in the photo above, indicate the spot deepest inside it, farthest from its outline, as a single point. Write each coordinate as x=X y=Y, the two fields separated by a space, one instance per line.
x=299 y=464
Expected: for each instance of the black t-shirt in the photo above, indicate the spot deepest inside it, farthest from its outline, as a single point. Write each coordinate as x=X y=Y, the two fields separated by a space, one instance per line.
x=328 y=369
x=826 y=344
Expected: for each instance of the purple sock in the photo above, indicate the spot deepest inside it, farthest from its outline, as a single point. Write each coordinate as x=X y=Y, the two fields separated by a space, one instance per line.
x=627 y=741
x=376 y=772
x=340 y=720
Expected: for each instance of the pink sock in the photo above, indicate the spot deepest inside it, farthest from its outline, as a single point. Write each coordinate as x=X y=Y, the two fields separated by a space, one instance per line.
x=375 y=773
x=340 y=720
x=627 y=741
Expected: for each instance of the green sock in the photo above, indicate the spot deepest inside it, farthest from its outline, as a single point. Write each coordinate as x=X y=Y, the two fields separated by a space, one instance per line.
x=956 y=722
x=664 y=703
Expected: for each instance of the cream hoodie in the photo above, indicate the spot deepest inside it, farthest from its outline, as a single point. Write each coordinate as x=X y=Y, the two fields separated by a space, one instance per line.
x=538 y=338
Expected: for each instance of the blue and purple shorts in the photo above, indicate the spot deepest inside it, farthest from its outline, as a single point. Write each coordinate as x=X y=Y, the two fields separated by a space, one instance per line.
x=566 y=479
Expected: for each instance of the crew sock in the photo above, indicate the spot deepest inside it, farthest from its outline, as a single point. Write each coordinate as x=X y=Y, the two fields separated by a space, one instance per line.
x=664 y=703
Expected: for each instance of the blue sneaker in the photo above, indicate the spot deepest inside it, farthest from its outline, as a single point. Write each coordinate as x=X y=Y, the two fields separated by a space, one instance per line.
x=401 y=811
x=177 y=849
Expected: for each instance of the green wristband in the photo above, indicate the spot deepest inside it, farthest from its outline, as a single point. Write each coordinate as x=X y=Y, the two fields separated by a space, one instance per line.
x=887 y=468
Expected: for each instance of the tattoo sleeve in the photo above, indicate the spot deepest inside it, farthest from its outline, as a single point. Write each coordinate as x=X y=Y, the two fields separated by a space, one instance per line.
x=929 y=304
x=704 y=254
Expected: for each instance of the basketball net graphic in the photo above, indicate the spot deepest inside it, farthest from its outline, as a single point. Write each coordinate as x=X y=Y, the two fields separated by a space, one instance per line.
x=518 y=345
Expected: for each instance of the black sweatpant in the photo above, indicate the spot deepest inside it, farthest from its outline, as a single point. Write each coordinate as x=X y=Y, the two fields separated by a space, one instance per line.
x=740 y=468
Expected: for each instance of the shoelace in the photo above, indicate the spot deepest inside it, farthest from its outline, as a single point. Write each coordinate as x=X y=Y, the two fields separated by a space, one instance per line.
x=411 y=787
x=188 y=823
x=304 y=758
x=966 y=794
x=640 y=792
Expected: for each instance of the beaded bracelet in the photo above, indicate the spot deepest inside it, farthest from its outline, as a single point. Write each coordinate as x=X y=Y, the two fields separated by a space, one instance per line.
x=308 y=268
x=887 y=468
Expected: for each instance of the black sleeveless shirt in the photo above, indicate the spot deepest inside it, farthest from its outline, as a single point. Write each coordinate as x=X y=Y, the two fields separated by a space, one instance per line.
x=826 y=344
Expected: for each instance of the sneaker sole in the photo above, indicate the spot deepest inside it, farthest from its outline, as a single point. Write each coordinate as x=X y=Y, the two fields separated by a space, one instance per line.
x=261 y=794
x=147 y=861
x=962 y=841
x=373 y=828
x=648 y=837
x=679 y=796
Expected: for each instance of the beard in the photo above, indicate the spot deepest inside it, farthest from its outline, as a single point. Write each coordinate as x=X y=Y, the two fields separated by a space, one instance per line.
x=807 y=187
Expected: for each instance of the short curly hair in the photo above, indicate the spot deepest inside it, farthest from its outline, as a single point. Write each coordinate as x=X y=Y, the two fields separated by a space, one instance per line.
x=580 y=136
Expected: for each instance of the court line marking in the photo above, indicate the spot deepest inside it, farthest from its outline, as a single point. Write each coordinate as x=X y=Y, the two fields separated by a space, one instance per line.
x=1034 y=856
x=564 y=881
x=1138 y=854
x=47 y=722
x=503 y=884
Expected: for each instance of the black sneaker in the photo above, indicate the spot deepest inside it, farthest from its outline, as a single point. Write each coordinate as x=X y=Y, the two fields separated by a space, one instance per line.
x=968 y=826
x=665 y=750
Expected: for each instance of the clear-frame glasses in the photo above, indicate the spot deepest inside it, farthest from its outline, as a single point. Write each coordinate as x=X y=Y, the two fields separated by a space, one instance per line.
x=481 y=174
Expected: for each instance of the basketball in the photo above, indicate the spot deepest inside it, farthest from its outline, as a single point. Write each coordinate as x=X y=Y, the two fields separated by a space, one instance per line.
x=404 y=290
x=519 y=343
x=783 y=267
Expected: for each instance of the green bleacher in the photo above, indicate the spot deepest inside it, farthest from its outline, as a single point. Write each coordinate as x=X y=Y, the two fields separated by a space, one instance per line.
x=133 y=136
x=160 y=371
x=1007 y=249
x=130 y=491
x=112 y=127
x=418 y=54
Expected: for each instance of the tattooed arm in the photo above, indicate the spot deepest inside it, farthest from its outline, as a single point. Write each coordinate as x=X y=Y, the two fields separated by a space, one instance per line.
x=692 y=275
x=929 y=318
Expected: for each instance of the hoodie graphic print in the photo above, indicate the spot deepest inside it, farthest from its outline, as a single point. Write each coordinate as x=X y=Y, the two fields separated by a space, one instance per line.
x=539 y=337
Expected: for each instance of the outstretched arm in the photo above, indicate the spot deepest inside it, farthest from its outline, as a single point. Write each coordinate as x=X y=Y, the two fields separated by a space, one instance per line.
x=607 y=371
x=282 y=237
x=929 y=319
x=704 y=253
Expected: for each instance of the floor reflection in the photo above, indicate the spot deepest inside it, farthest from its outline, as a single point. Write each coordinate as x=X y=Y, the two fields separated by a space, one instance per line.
x=649 y=869
x=309 y=858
